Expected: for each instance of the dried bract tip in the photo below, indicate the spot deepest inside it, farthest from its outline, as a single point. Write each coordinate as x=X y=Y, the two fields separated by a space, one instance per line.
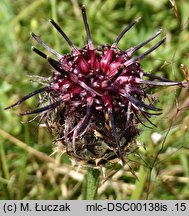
x=62 y=33
x=43 y=55
x=140 y=57
x=86 y=24
x=130 y=51
x=59 y=56
x=124 y=31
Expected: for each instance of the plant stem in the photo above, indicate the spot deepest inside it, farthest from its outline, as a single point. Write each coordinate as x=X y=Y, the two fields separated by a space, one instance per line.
x=91 y=184
x=142 y=176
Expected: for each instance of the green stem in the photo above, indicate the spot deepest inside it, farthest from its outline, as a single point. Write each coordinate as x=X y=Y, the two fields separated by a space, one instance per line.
x=142 y=176
x=91 y=184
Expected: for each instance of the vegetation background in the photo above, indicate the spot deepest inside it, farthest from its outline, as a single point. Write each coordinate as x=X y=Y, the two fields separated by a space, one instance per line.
x=160 y=168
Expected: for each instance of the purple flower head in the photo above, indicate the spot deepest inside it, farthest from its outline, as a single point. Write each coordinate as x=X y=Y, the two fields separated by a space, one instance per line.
x=96 y=97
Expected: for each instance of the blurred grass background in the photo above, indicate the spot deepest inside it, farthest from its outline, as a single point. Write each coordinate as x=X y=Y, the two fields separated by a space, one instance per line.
x=158 y=170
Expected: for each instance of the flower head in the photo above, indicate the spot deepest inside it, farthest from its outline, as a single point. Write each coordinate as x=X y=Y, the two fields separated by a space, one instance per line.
x=96 y=97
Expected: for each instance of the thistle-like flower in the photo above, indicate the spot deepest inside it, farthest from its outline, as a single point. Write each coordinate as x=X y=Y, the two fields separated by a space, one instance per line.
x=96 y=97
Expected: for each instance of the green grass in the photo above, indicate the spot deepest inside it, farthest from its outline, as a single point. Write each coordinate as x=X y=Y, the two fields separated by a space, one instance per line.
x=156 y=171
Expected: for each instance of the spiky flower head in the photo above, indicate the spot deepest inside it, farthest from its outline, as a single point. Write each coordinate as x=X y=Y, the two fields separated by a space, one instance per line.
x=96 y=97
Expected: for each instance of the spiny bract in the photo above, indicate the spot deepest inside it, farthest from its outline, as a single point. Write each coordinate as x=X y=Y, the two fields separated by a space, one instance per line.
x=96 y=97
